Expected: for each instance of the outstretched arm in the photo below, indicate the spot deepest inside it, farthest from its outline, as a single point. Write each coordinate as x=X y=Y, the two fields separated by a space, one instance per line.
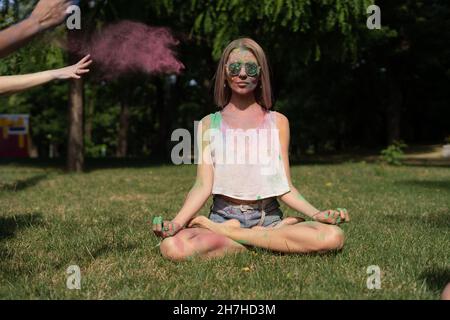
x=200 y=191
x=293 y=198
x=46 y=14
x=14 y=84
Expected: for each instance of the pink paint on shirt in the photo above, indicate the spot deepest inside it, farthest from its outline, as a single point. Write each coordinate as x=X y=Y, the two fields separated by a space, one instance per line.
x=128 y=46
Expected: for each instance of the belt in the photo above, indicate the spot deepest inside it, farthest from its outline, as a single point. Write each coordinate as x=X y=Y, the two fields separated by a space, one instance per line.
x=264 y=201
x=258 y=204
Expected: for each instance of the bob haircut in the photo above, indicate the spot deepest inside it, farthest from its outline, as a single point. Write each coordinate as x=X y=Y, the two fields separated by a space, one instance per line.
x=263 y=92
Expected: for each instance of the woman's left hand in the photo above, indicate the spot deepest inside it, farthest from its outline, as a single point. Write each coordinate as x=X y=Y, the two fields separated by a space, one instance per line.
x=340 y=215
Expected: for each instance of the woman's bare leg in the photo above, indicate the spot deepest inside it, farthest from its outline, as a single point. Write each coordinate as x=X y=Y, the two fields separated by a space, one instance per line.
x=302 y=237
x=192 y=242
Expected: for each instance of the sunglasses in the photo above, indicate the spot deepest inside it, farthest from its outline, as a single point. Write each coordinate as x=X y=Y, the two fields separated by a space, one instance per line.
x=251 y=68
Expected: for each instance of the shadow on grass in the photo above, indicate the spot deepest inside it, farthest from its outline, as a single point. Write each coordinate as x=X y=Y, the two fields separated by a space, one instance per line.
x=436 y=278
x=91 y=164
x=438 y=163
x=441 y=185
x=23 y=184
x=440 y=219
x=9 y=226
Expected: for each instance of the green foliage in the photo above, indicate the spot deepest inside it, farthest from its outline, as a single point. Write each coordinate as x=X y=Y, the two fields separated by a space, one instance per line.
x=92 y=150
x=393 y=154
x=332 y=77
x=228 y=19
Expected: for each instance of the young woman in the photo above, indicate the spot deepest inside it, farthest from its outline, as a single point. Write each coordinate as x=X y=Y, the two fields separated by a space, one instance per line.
x=245 y=211
x=14 y=84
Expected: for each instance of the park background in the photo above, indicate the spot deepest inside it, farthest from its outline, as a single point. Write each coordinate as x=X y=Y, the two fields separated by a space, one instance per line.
x=349 y=93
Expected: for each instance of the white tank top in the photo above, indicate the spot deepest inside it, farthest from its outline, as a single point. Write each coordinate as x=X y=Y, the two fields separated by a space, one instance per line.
x=251 y=168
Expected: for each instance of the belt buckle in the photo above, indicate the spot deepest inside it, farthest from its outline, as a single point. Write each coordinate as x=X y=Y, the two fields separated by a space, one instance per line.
x=245 y=207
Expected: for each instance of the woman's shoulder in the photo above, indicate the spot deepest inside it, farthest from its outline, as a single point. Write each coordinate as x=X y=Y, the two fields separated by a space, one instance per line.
x=281 y=119
x=211 y=118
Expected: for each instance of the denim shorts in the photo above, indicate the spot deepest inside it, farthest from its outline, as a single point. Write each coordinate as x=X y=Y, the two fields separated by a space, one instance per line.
x=265 y=212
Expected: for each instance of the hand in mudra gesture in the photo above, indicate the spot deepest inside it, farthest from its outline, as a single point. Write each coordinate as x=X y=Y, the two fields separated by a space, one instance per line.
x=164 y=228
x=340 y=215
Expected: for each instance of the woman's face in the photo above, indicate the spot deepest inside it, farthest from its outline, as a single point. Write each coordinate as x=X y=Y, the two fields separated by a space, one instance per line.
x=241 y=84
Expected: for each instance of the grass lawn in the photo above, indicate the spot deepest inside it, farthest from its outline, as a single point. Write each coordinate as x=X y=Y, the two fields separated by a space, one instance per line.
x=99 y=221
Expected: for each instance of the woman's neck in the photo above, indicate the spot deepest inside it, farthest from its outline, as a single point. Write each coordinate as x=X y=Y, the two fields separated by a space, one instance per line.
x=242 y=102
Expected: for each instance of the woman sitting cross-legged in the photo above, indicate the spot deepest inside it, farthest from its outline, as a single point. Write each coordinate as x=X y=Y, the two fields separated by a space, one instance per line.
x=246 y=176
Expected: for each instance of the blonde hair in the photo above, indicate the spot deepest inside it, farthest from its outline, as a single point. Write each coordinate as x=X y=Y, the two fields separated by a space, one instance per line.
x=263 y=92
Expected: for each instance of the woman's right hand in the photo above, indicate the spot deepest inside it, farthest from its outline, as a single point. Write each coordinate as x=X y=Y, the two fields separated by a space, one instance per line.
x=166 y=228
x=74 y=71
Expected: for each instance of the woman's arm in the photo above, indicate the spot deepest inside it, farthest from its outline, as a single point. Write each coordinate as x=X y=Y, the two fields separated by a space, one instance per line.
x=293 y=198
x=46 y=14
x=200 y=191
x=14 y=84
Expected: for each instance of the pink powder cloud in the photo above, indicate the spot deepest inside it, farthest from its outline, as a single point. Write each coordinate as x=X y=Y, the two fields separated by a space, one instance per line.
x=128 y=46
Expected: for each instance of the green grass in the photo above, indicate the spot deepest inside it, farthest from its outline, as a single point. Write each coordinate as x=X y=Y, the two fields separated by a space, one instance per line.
x=99 y=221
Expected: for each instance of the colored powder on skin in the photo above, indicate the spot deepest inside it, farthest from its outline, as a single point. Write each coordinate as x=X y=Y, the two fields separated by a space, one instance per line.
x=179 y=244
x=127 y=47
x=321 y=236
x=252 y=85
x=215 y=120
x=308 y=222
x=299 y=196
x=242 y=241
x=198 y=184
x=192 y=256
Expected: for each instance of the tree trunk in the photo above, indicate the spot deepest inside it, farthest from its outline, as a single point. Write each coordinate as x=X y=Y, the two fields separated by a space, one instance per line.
x=75 y=156
x=89 y=115
x=124 y=124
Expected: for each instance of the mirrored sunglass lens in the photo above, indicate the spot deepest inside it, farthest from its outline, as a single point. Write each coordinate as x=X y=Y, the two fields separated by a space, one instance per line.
x=234 y=68
x=251 y=69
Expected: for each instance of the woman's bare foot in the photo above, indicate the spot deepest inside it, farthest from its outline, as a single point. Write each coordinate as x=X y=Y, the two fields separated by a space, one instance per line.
x=204 y=222
x=289 y=221
x=232 y=223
